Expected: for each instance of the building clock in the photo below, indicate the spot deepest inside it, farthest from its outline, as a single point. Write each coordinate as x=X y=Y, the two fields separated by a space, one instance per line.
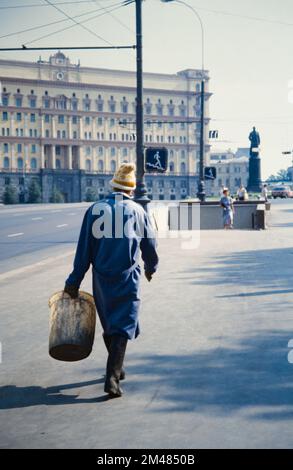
x=60 y=75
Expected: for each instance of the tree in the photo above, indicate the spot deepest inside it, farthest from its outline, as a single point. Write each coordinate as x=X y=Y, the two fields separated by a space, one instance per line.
x=282 y=175
x=91 y=195
x=34 y=192
x=10 y=195
x=56 y=196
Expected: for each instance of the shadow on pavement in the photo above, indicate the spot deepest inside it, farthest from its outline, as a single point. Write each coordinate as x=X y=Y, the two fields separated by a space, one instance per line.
x=12 y=396
x=254 y=376
x=254 y=268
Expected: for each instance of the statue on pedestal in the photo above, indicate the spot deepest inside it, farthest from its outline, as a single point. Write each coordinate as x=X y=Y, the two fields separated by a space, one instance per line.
x=254 y=181
x=254 y=142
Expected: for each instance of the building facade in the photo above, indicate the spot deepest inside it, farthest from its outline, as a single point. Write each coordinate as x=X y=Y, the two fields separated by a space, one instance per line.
x=232 y=171
x=69 y=127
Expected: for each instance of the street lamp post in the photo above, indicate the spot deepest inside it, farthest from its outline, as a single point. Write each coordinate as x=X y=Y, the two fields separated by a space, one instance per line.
x=201 y=185
x=140 y=195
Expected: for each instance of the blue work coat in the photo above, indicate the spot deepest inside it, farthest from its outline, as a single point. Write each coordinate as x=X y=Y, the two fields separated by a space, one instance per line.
x=113 y=233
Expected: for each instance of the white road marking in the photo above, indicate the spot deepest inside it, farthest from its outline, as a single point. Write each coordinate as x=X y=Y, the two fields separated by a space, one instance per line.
x=57 y=210
x=52 y=259
x=15 y=234
x=72 y=213
x=61 y=225
x=37 y=218
x=17 y=215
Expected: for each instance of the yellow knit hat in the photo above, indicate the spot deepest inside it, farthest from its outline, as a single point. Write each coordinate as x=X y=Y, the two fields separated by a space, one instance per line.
x=124 y=178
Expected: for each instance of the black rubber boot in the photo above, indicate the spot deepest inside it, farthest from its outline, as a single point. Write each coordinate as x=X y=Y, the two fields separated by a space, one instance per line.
x=114 y=365
x=107 y=341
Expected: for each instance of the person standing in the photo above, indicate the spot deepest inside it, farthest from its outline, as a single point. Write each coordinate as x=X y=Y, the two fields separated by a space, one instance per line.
x=242 y=193
x=264 y=192
x=228 y=209
x=113 y=233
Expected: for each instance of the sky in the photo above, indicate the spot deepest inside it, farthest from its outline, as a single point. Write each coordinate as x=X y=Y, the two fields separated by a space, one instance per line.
x=248 y=51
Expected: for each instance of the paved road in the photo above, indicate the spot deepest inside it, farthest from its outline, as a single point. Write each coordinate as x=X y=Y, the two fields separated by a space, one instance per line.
x=30 y=233
x=209 y=370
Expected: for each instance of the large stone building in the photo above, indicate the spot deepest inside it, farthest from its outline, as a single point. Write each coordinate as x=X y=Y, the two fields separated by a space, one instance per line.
x=70 y=126
x=232 y=170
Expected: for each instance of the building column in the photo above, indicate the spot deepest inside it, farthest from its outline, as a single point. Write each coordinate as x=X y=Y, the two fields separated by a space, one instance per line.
x=42 y=152
x=25 y=131
x=53 y=157
x=12 y=157
x=81 y=136
x=26 y=159
x=69 y=157
x=69 y=127
x=41 y=127
x=94 y=128
x=81 y=157
x=12 y=124
x=53 y=127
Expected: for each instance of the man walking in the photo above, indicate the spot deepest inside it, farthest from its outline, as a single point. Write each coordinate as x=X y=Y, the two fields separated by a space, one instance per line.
x=113 y=233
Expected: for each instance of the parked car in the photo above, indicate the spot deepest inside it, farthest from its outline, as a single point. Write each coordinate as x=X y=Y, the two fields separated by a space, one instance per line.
x=282 y=192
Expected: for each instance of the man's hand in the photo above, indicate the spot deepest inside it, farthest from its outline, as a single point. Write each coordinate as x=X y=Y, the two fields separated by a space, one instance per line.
x=148 y=276
x=71 y=290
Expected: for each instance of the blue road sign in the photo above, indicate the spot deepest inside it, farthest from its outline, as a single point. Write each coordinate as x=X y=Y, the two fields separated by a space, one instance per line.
x=210 y=173
x=156 y=160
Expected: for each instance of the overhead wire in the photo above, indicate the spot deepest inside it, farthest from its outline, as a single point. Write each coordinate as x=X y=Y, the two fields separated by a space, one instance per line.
x=77 y=23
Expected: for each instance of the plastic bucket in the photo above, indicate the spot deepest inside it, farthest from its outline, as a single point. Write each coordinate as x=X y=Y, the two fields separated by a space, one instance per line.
x=72 y=326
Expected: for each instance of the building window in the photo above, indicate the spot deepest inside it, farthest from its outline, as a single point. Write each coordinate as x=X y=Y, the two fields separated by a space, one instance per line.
x=88 y=165
x=124 y=107
x=6 y=148
x=58 y=164
x=33 y=149
x=5 y=116
x=100 y=121
x=19 y=148
x=171 y=167
x=88 y=151
x=183 y=167
x=33 y=102
x=74 y=119
x=113 y=152
x=86 y=105
x=47 y=103
x=6 y=162
x=101 y=151
x=125 y=152
x=100 y=165
x=113 y=166
x=61 y=119
x=75 y=134
x=47 y=117
x=18 y=117
x=87 y=121
x=47 y=133
x=33 y=118
x=63 y=134
x=18 y=102
x=112 y=122
x=33 y=163
x=74 y=105
x=19 y=163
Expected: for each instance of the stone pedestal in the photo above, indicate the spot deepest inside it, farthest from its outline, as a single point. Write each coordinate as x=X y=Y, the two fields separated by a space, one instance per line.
x=254 y=181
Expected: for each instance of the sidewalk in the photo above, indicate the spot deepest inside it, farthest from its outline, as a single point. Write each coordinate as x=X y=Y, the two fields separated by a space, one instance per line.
x=210 y=368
